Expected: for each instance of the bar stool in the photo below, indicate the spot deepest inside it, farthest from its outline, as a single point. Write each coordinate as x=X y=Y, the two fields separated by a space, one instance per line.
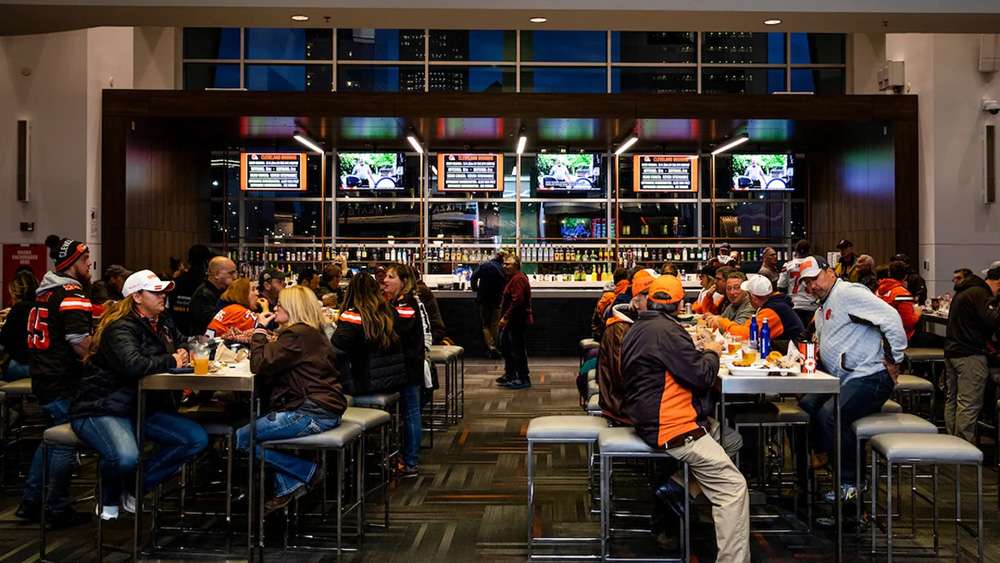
x=933 y=358
x=339 y=439
x=624 y=443
x=560 y=430
x=937 y=449
x=891 y=406
x=458 y=379
x=868 y=427
x=910 y=388
x=449 y=357
x=369 y=420
x=388 y=402
x=17 y=390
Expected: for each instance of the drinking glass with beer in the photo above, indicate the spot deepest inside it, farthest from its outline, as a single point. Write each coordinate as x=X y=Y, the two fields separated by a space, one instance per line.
x=199 y=357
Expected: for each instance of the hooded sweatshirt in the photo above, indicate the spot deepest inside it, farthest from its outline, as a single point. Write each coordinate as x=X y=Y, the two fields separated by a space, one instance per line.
x=61 y=319
x=610 y=379
x=899 y=298
x=971 y=319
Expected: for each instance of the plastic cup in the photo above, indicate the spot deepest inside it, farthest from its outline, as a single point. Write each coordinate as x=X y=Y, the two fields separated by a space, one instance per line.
x=200 y=365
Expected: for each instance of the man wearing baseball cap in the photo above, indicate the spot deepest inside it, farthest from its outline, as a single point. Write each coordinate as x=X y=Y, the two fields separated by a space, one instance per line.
x=272 y=281
x=861 y=341
x=847 y=265
x=109 y=288
x=610 y=379
x=973 y=319
x=669 y=395
x=59 y=328
x=773 y=307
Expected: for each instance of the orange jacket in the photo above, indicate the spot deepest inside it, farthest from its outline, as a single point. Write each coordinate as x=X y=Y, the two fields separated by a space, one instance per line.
x=708 y=302
x=895 y=294
x=781 y=319
x=232 y=317
x=608 y=297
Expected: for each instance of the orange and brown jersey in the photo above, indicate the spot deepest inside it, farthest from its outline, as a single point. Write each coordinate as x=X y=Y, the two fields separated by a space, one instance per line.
x=59 y=322
x=668 y=381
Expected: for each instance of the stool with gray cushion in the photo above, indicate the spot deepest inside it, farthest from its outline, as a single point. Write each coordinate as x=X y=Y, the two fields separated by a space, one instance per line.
x=910 y=389
x=339 y=439
x=624 y=443
x=13 y=391
x=388 y=402
x=559 y=430
x=370 y=420
x=868 y=427
x=890 y=406
x=932 y=358
x=934 y=449
x=215 y=424
x=449 y=357
x=777 y=417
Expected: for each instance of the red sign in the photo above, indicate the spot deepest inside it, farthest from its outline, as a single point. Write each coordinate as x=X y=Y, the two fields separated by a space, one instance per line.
x=17 y=256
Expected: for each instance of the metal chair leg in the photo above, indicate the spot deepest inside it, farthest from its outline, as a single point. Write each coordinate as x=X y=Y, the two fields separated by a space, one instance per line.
x=45 y=503
x=531 y=498
x=888 y=504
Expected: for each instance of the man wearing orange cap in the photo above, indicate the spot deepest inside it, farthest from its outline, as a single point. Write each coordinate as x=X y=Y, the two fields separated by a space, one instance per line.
x=610 y=379
x=669 y=386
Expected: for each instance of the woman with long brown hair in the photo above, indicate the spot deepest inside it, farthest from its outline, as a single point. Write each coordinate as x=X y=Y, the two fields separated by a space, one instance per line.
x=306 y=397
x=133 y=340
x=366 y=338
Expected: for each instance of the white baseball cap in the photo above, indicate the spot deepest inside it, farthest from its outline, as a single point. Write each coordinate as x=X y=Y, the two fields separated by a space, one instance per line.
x=145 y=280
x=757 y=285
x=811 y=267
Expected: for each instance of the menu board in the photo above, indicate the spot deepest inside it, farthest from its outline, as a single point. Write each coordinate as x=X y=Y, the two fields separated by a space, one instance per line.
x=272 y=171
x=480 y=172
x=665 y=173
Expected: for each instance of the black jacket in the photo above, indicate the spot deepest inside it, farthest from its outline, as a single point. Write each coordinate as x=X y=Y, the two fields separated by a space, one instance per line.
x=971 y=319
x=426 y=296
x=488 y=281
x=12 y=336
x=410 y=329
x=130 y=349
x=179 y=300
x=204 y=305
x=63 y=315
x=372 y=369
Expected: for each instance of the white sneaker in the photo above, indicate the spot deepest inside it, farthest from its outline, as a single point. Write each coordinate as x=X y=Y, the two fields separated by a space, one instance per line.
x=128 y=503
x=106 y=512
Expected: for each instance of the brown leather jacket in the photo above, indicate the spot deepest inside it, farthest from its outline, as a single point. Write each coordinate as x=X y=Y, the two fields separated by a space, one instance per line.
x=299 y=365
x=610 y=379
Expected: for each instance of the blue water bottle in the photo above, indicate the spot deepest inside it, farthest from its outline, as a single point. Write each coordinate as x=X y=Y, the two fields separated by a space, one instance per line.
x=753 y=330
x=765 y=340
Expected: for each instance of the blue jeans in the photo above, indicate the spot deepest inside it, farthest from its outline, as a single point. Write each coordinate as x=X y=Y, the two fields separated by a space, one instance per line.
x=291 y=472
x=15 y=370
x=858 y=398
x=409 y=408
x=180 y=440
x=62 y=462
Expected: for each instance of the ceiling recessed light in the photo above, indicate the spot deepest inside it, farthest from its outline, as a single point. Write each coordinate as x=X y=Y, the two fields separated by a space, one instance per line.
x=772 y=21
x=300 y=18
x=538 y=20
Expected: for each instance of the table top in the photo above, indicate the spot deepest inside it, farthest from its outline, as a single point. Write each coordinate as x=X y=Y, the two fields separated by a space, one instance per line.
x=234 y=377
x=934 y=317
x=818 y=382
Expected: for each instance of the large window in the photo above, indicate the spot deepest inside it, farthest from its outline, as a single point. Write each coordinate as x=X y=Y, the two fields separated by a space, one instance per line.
x=418 y=60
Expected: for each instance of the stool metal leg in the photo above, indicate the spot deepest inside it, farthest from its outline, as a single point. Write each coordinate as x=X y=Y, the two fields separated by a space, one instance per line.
x=858 y=479
x=686 y=539
x=934 y=510
x=958 y=507
x=605 y=505
x=45 y=502
x=888 y=505
x=340 y=500
x=531 y=498
x=874 y=495
x=979 y=510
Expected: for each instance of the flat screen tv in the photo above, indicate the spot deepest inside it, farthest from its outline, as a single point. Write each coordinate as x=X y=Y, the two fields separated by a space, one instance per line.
x=575 y=227
x=379 y=171
x=664 y=173
x=569 y=172
x=272 y=171
x=763 y=172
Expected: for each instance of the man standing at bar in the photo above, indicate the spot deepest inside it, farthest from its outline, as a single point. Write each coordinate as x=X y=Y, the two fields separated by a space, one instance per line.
x=769 y=266
x=515 y=318
x=488 y=282
x=205 y=301
x=847 y=265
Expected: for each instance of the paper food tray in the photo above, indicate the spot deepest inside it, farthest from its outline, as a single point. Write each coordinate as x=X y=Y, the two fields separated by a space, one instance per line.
x=758 y=369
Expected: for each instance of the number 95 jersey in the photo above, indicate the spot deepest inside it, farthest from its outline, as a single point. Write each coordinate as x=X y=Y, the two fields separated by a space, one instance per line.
x=62 y=317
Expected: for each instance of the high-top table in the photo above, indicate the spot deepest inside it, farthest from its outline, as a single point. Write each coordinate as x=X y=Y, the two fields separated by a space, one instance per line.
x=812 y=383
x=235 y=378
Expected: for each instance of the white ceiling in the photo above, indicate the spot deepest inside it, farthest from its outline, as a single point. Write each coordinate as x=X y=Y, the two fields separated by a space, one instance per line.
x=895 y=16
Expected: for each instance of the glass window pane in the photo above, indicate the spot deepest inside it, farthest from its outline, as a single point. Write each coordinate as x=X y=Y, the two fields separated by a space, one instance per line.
x=827 y=81
x=657 y=220
x=378 y=220
x=289 y=44
x=564 y=46
x=659 y=80
x=484 y=221
x=355 y=78
x=742 y=80
x=564 y=80
x=757 y=219
x=653 y=47
x=225 y=221
x=471 y=79
x=742 y=48
x=478 y=45
x=798 y=224
x=289 y=78
x=818 y=48
x=198 y=76
x=211 y=43
x=282 y=220
x=380 y=44
x=564 y=220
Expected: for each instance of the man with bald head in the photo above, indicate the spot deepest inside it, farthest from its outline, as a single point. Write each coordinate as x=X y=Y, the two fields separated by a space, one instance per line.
x=205 y=301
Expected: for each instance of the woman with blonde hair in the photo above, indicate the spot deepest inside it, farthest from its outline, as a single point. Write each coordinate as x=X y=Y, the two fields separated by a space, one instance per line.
x=306 y=397
x=236 y=321
x=134 y=339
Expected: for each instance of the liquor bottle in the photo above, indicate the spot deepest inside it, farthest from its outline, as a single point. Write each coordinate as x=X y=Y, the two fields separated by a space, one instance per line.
x=765 y=340
x=753 y=332
x=684 y=255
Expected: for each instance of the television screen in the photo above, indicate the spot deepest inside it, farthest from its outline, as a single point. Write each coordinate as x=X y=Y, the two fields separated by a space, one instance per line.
x=569 y=172
x=770 y=172
x=272 y=171
x=477 y=172
x=665 y=173
x=575 y=227
x=371 y=171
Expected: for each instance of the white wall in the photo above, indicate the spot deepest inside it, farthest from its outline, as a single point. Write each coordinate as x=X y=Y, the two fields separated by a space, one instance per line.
x=956 y=228
x=155 y=58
